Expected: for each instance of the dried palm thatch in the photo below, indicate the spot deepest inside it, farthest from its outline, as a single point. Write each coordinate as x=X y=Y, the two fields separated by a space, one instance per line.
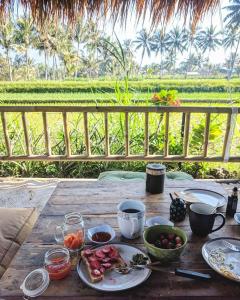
x=160 y=10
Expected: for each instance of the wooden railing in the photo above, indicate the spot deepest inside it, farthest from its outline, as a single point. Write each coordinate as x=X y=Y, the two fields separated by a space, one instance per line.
x=187 y=112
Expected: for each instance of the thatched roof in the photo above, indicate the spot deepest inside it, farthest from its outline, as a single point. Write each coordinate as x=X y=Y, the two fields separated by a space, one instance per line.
x=160 y=10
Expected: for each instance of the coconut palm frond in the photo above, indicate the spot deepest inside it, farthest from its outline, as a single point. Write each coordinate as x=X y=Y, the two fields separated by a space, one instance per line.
x=160 y=11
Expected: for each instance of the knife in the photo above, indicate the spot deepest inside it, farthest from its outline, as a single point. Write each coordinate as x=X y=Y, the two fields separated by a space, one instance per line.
x=192 y=274
x=180 y=272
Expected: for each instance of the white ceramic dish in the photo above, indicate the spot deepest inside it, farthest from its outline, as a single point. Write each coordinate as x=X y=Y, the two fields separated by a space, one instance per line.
x=237 y=218
x=158 y=220
x=113 y=281
x=101 y=228
x=222 y=259
x=205 y=196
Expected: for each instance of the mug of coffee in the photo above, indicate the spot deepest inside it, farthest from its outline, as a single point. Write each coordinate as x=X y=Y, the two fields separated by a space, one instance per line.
x=202 y=217
x=131 y=218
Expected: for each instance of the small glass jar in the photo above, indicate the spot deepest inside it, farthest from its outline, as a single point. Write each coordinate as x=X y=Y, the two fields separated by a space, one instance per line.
x=57 y=263
x=71 y=232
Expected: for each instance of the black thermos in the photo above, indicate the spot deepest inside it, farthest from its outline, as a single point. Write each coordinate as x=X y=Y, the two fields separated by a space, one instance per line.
x=155 y=174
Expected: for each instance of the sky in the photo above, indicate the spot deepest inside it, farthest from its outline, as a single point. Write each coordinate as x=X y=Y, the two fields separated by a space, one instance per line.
x=132 y=29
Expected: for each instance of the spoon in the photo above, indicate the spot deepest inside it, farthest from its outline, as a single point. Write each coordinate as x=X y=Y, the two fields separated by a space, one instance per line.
x=127 y=269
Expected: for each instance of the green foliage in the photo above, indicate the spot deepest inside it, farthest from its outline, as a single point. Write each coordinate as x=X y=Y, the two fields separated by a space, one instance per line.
x=166 y=97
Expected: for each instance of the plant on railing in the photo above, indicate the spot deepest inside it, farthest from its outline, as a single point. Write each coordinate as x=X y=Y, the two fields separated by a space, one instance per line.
x=197 y=139
x=166 y=98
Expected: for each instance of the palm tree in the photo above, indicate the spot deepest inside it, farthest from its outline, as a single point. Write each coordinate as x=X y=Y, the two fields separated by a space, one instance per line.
x=190 y=64
x=60 y=42
x=116 y=51
x=176 y=42
x=170 y=61
x=209 y=39
x=143 y=41
x=43 y=43
x=25 y=35
x=159 y=46
x=233 y=22
x=127 y=46
x=80 y=35
x=233 y=16
x=7 y=42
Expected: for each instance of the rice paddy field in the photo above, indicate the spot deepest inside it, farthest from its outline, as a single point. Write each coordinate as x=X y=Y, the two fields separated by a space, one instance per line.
x=212 y=93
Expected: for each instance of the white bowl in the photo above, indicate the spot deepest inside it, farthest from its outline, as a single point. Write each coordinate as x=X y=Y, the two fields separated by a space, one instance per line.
x=158 y=220
x=101 y=228
x=237 y=217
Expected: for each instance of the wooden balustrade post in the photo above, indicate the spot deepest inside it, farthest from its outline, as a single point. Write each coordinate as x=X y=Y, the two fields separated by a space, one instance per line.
x=25 y=130
x=166 y=136
x=186 y=134
x=107 y=151
x=206 y=134
x=6 y=136
x=126 y=134
x=66 y=134
x=46 y=134
x=146 y=135
x=86 y=134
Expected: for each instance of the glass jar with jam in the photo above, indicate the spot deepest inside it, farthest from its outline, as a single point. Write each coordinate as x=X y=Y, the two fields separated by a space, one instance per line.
x=71 y=232
x=57 y=263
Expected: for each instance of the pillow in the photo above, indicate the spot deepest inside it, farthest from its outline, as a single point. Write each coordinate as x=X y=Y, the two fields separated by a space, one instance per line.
x=128 y=175
x=15 y=226
x=121 y=175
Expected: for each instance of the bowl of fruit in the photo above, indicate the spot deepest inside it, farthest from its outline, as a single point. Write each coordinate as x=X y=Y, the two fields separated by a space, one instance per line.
x=164 y=242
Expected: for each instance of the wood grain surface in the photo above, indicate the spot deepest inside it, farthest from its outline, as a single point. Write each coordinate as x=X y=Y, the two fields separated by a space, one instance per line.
x=97 y=201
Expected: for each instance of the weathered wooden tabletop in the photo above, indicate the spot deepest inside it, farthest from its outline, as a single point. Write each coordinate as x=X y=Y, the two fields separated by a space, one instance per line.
x=97 y=201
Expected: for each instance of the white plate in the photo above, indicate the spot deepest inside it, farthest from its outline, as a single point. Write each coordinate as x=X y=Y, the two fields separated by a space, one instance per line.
x=205 y=196
x=222 y=259
x=113 y=281
x=158 y=220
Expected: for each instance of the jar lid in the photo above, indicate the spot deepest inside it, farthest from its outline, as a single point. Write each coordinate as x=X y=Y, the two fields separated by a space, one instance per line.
x=35 y=283
x=156 y=167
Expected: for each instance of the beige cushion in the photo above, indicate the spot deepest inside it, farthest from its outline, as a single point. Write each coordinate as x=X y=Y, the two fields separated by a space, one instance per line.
x=15 y=225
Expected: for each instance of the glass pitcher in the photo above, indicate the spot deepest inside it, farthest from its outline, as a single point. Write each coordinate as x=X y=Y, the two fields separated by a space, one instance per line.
x=71 y=232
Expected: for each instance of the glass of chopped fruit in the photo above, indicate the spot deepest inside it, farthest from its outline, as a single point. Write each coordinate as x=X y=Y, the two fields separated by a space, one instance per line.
x=71 y=232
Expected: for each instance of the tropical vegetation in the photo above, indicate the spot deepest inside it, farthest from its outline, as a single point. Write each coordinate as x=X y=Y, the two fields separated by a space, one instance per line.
x=47 y=52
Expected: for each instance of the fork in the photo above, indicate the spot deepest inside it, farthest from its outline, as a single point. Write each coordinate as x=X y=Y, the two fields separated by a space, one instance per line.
x=231 y=246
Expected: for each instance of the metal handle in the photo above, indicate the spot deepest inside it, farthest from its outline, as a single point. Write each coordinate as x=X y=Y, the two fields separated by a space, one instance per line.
x=192 y=274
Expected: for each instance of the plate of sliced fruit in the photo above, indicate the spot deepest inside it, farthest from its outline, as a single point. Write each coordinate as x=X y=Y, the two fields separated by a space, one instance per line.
x=99 y=267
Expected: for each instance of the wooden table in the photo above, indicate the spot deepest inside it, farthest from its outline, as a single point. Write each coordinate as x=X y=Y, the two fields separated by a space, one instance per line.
x=97 y=201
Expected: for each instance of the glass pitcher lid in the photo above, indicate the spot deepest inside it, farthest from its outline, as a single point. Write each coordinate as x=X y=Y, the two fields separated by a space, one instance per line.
x=35 y=283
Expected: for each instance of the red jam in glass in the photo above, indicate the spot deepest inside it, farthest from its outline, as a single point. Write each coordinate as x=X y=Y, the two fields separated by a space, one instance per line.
x=57 y=263
x=101 y=237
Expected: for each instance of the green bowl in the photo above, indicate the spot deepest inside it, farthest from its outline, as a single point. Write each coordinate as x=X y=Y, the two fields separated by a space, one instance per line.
x=163 y=255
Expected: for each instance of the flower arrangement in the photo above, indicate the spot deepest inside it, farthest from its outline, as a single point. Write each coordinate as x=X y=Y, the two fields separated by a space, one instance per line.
x=166 y=98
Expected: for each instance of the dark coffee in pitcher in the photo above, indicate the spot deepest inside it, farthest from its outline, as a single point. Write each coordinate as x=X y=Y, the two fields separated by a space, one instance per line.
x=131 y=211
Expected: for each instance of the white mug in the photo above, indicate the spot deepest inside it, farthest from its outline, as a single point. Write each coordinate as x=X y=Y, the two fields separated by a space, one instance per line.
x=131 y=223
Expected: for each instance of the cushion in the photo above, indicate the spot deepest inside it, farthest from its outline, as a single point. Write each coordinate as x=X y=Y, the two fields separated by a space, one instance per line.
x=121 y=175
x=15 y=225
x=128 y=175
x=177 y=175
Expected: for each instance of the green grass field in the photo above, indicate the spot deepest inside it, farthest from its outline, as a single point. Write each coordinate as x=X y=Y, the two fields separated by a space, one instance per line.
x=80 y=98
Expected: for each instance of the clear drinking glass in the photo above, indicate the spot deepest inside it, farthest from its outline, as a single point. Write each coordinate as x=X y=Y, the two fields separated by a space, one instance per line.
x=71 y=233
